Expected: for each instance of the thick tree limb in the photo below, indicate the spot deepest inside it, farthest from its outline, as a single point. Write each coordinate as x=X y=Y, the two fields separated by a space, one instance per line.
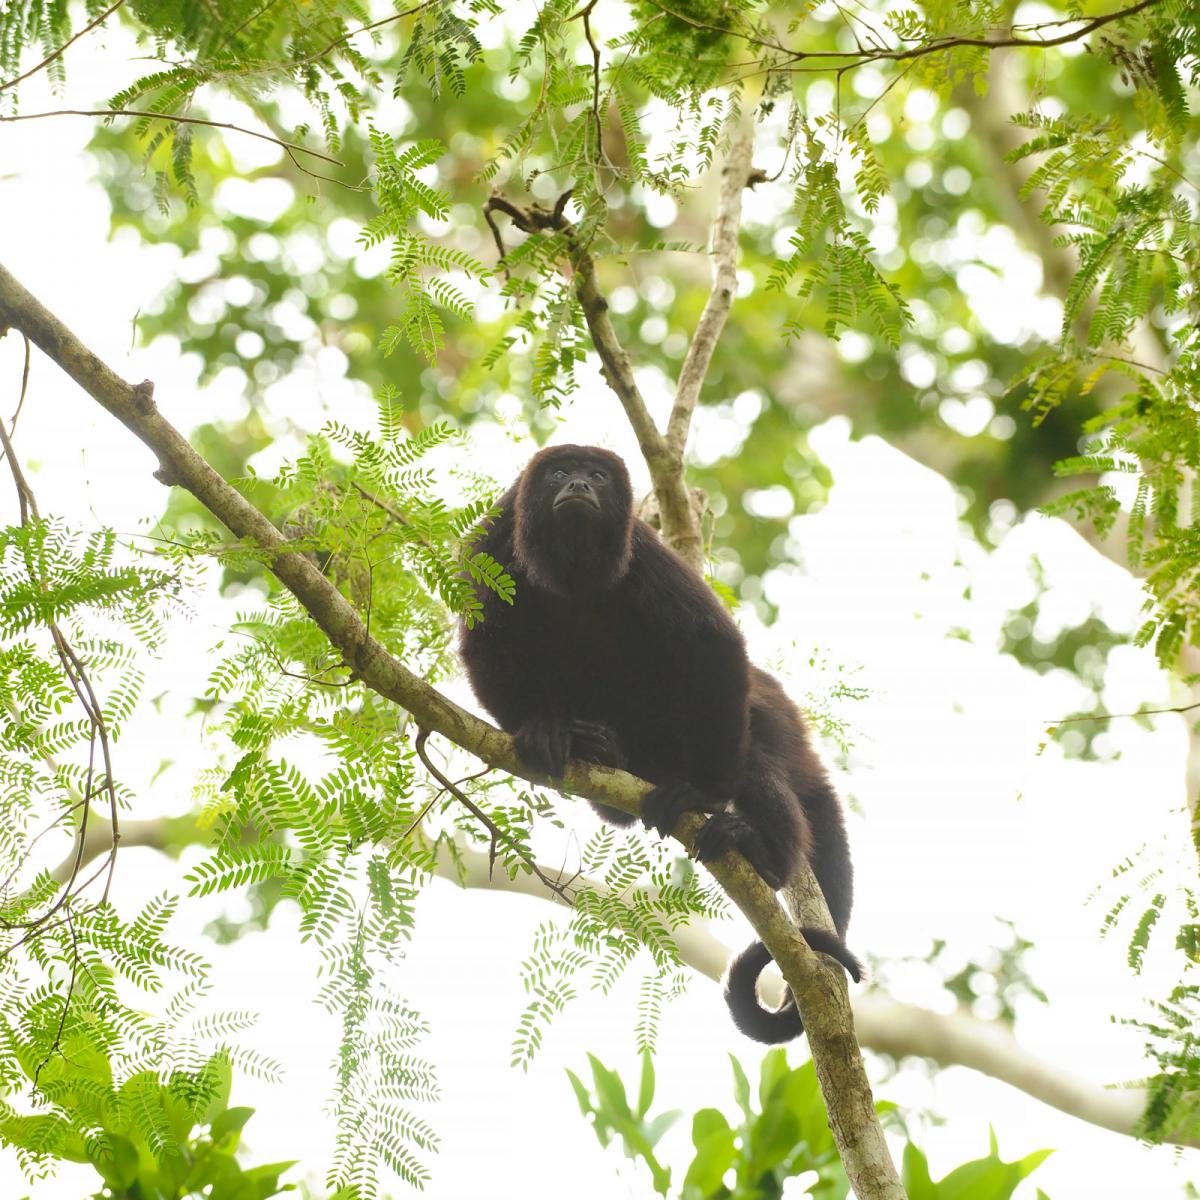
x=819 y=986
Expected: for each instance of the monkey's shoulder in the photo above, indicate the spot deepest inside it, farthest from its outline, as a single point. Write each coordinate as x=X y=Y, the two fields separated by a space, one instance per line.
x=660 y=584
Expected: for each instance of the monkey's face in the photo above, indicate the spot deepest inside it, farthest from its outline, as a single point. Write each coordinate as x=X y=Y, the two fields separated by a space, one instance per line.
x=574 y=518
x=578 y=488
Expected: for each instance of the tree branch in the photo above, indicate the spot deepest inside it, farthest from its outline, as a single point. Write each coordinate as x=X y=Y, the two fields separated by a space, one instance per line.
x=882 y=1024
x=614 y=361
x=736 y=175
x=819 y=986
x=861 y=55
x=178 y=119
x=56 y=54
x=663 y=454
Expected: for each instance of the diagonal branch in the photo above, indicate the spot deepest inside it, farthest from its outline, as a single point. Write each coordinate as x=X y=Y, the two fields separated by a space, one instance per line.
x=614 y=361
x=819 y=986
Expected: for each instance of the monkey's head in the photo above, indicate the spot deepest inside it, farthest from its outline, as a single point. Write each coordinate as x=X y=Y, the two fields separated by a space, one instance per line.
x=574 y=519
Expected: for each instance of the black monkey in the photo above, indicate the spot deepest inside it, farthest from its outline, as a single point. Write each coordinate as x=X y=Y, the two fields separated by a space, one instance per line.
x=616 y=652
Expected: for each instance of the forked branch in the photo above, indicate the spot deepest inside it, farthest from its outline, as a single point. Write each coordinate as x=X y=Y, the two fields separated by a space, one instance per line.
x=663 y=453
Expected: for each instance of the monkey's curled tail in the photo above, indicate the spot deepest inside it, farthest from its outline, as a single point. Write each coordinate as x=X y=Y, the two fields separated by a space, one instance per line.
x=783 y=1023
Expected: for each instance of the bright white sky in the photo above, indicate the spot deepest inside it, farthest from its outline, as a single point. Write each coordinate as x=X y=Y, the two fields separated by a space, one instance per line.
x=959 y=821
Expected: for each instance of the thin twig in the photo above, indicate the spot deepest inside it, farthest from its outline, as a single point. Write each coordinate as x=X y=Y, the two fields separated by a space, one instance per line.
x=12 y=425
x=585 y=14
x=498 y=834
x=77 y=676
x=933 y=47
x=66 y=1007
x=178 y=118
x=614 y=361
x=345 y=37
x=54 y=54
x=1141 y=712
x=408 y=829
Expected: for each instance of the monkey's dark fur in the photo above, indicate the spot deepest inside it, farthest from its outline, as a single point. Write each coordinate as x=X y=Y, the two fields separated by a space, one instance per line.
x=616 y=652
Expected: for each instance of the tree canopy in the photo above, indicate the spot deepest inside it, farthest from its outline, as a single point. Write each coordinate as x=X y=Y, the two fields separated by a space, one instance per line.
x=399 y=243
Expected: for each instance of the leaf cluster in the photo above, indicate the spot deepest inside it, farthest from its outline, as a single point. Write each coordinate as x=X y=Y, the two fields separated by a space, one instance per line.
x=782 y=1133
x=635 y=900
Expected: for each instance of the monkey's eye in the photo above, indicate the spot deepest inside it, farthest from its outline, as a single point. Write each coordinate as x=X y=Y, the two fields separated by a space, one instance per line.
x=559 y=474
x=599 y=476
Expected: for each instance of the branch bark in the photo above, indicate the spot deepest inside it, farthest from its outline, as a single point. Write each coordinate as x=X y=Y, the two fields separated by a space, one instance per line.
x=736 y=176
x=820 y=988
x=888 y=1026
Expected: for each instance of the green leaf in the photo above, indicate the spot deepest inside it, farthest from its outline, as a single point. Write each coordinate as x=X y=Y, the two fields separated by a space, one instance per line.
x=715 y=1153
x=646 y=1089
x=741 y=1087
x=116 y=1158
x=582 y=1095
x=915 y=1175
x=227 y=1128
x=609 y=1089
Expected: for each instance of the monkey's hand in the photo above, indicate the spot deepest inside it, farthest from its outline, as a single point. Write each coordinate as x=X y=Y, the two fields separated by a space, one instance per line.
x=596 y=743
x=662 y=808
x=544 y=745
x=725 y=831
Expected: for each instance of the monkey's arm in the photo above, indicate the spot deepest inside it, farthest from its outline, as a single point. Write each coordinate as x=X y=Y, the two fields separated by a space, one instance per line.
x=508 y=677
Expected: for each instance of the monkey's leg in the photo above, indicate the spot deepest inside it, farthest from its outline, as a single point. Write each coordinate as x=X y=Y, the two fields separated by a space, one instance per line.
x=662 y=808
x=768 y=824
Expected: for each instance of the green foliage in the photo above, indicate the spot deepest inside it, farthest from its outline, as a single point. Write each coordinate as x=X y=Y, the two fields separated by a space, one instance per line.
x=1170 y=1031
x=783 y=1133
x=1129 y=212
x=316 y=797
x=987 y=1178
x=830 y=257
x=612 y=1115
x=145 y=1137
x=402 y=196
x=1150 y=897
x=637 y=897
x=77 y=614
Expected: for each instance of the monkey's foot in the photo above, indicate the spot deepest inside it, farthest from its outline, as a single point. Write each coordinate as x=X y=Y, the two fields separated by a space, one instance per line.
x=596 y=743
x=662 y=808
x=543 y=744
x=725 y=831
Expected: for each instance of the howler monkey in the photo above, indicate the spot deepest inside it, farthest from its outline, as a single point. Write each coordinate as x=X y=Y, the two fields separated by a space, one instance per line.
x=617 y=653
